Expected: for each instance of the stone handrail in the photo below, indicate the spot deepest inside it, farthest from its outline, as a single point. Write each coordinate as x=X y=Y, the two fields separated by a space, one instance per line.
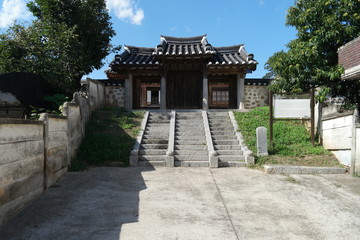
x=134 y=154
x=213 y=159
x=249 y=155
x=170 y=150
x=171 y=142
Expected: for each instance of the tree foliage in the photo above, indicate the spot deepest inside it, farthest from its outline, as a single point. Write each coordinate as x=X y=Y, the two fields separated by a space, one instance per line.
x=311 y=60
x=67 y=39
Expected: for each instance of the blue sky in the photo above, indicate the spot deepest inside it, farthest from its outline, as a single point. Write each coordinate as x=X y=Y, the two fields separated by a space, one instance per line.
x=259 y=24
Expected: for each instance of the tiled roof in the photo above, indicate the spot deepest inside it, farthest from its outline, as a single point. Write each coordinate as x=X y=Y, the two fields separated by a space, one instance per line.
x=135 y=55
x=257 y=81
x=112 y=82
x=233 y=55
x=173 y=47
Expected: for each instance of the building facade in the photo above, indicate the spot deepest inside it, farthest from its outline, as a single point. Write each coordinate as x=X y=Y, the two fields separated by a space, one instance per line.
x=183 y=73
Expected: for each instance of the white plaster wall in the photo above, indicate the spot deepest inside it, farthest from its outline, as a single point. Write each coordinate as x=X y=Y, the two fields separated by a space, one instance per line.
x=57 y=149
x=92 y=94
x=27 y=147
x=21 y=165
x=344 y=156
x=357 y=151
x=337 y=133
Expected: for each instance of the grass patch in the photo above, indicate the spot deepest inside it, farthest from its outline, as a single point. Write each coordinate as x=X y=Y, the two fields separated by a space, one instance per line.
x=291 y=144
x=110 y=135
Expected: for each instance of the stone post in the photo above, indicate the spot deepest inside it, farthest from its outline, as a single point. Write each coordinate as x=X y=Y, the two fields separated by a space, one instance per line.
x=240 y=91
x=163 y=93
x=261 y=141
x=355 y=162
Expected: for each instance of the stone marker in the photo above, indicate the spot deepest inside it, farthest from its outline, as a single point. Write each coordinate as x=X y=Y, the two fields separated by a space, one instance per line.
x=261 y=140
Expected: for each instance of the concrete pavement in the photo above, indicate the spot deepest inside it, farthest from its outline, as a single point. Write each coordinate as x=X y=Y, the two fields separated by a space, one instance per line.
x=191 y=203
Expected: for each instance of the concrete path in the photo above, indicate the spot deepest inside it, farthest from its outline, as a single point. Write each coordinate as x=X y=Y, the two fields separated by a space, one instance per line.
x=191 y=203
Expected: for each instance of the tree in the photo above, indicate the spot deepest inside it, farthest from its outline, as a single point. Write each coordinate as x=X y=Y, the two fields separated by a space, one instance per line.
x=311 y=60
x=67 y=39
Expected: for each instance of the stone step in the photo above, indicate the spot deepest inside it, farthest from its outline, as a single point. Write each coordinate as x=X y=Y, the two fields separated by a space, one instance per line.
x=152 y=152
x=227 y=133
x=225 y=158
x=186 y=142
x=194 y=137
x=151 y=136
x=229 y=152
x=154 y=141
x=218 y=129
x=191 y=157
x=151 y=164
x=153 y=146
x=224 y=137
x=159 y=125
x=191 y=152
x=191 y=147
x=191 y=163
x=159 y=117
x=227 y=147
x=158 y=121
x=194 y=120
x=226 y=142
x=164 y=129
x=189 y=129
x=188 y=118
x=232 y=164
x=218 y=115
x=219 y=121
x=151 y=158
x=189 y=133
x=219 y=125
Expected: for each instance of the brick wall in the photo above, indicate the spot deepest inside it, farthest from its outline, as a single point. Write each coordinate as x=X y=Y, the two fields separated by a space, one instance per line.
x=349 y=54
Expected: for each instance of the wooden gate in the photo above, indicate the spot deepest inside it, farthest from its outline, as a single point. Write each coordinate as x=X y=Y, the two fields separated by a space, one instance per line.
x=184 y=89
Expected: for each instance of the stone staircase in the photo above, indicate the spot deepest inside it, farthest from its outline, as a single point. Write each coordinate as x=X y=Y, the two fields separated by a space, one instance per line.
x=155 y=140
x=225 y=141
x=190 y=141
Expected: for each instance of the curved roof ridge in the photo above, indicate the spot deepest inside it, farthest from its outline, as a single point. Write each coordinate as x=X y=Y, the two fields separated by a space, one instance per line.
x=139 y=50
x=184 y=39
x=229 y=48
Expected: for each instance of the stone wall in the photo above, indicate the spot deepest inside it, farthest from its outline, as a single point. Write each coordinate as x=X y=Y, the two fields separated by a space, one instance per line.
x=36 y=154
x=115 y=96
x=256 y=96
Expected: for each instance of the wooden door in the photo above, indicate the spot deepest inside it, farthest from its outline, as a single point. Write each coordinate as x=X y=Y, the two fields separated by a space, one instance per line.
x=184 y=89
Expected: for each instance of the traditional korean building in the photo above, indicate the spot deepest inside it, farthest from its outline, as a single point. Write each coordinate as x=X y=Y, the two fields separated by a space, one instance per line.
x=183 y=73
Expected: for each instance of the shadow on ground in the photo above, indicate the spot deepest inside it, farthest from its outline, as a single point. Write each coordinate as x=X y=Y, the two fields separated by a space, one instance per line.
x=87 y=205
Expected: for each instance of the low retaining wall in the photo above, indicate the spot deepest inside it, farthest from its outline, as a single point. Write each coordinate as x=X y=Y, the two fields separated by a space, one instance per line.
x=36 y=154
x=337 y=136
x=340 y=133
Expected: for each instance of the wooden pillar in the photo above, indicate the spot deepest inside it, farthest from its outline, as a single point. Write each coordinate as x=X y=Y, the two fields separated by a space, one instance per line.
x=205 y=99
x=163 y=93
x=129 y=92
x=240 y=91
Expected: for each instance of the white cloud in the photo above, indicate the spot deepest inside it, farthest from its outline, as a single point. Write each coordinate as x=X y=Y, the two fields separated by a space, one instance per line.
x=261 y=3
x=12 y=10
x=126 y=10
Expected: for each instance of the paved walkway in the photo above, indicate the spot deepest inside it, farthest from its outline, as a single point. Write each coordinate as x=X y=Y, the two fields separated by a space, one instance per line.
x=191 y=203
